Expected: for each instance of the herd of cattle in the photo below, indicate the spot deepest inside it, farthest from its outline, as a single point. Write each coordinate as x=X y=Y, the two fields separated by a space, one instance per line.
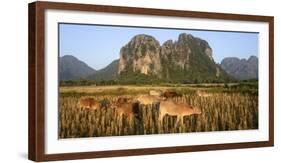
x=130 y=106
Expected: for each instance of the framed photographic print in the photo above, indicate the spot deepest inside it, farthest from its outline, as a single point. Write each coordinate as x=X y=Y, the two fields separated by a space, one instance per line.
x=109 y=81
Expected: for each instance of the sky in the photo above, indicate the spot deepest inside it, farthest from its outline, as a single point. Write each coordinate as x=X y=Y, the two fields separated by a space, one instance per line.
x=99 y=45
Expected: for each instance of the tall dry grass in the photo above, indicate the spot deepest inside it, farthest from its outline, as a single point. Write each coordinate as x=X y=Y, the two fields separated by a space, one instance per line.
x=220 y=112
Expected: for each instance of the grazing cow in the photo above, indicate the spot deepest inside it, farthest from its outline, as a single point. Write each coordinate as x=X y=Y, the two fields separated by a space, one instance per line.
x=155 y=93
x=129 y=109
x=88 y=103
x=122 y=100
x=149 y=99
x=171 y=94
x=176 y=109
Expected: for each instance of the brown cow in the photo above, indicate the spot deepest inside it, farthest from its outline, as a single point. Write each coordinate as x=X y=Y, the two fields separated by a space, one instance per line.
x=122 y=100
x=88 y=103
x=156 y=93
x=149 y=99
x=171 y=94
x=129 y=109
x=180 y=110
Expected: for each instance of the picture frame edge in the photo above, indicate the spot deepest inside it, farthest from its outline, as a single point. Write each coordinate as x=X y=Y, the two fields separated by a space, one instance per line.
x=36 y=123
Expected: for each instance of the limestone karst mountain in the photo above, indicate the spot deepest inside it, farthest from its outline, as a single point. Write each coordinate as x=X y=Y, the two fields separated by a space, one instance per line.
x=188 y=59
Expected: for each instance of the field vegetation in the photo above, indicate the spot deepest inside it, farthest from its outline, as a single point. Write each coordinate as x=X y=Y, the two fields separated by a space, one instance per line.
x=227 y=107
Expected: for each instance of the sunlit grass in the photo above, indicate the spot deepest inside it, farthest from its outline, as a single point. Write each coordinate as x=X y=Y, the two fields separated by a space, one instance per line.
x=221 y=111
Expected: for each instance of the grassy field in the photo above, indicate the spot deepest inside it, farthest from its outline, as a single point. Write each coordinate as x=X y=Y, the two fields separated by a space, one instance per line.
x=229 y=107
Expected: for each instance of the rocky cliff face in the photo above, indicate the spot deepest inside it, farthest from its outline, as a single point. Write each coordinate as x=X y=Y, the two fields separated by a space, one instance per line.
x=188 y=58
x=141 y=54
x=180 y=54
x=241 y=68
x=144 y=54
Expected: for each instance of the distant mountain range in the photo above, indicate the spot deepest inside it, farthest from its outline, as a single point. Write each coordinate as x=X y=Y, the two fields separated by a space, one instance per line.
x=71 y=68
x=110 y=72
x=186 y=60
x=241 y=69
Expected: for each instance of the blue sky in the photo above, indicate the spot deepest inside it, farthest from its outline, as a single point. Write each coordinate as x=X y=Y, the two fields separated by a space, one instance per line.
x=100 y=45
